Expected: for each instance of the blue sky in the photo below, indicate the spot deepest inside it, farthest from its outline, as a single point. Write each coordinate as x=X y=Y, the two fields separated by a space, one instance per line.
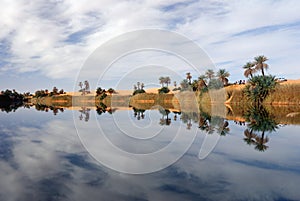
x=45 y=43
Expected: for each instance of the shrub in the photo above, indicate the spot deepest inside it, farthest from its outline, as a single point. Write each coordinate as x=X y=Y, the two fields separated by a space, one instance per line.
x=164 y=90
x=139 y=91
x=259 y=87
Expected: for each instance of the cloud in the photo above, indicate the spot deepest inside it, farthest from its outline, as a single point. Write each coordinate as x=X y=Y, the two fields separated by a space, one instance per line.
x=54 y=38
x=49 y=160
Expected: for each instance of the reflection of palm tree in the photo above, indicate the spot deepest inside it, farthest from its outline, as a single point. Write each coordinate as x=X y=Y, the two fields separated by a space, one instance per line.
x=189 y=124
x=249 y=137
x=260 y=142
x=210 y=129
x=165 y=120
x=138 y=113
x=202 y=123
x=260 y=121
x=223 y=128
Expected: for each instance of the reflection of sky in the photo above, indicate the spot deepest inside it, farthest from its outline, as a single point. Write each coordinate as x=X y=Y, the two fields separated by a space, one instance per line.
x=41 y=157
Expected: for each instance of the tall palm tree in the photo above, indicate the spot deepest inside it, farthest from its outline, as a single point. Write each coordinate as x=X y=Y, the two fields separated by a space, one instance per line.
x=184 y=84
x=210 y=74
x=80 y=85
x=201 y=82
x=175 y=84
x=249 y=70
x=138 y=85
x=223 y=75
x=260 y=65
x=167 y=81
x=188 y=77
x=161 y=81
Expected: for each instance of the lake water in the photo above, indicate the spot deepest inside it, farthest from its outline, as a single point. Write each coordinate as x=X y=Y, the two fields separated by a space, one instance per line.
x=64 y=156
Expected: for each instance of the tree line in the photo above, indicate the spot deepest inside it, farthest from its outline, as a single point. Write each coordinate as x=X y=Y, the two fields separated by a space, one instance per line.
x=46 y=92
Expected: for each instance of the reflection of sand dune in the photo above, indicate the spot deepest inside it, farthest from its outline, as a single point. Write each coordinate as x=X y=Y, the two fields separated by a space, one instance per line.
x=293 y=114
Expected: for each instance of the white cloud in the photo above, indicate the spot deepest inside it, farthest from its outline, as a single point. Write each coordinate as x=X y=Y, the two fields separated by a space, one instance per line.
x=54 y=38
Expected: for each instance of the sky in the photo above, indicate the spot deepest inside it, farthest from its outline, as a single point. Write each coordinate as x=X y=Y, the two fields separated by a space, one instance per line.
x=46 y=43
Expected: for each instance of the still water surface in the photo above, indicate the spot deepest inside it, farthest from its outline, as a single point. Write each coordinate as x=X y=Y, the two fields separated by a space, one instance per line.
x=42 y=157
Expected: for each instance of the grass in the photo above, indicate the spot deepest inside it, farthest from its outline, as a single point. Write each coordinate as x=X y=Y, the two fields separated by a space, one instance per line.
x=150 y=100
x=285 y=94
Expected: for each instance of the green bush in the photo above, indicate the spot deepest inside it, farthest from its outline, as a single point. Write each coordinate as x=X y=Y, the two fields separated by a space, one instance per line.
x=164 y=90
x=139 y=91
x=259 y=87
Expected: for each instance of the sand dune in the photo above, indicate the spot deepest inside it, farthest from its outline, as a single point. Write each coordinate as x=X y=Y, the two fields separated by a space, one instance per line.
x=155 y=90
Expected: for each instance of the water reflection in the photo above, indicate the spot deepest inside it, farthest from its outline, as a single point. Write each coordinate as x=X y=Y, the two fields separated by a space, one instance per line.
x=84 y=113
x=46 y=108
x=164 y=120
x=138 y=113
x=211 y=124
x=259 y=121
x=11 y=107
x=42 y=158
x=102 y=108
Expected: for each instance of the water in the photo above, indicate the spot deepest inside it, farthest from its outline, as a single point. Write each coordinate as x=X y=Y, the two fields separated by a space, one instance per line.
x=43 y=158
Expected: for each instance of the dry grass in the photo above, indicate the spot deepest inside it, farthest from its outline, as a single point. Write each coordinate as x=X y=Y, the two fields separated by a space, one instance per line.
x=285 y=94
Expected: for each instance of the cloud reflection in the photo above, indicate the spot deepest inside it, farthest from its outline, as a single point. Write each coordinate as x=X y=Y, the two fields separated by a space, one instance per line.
x=49 y=162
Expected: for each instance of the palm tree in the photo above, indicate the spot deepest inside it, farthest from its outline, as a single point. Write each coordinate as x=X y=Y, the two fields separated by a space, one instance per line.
x=249 y=70
x=87 y=86
x=142 y=86
x=223 y=75
x=167 y=81
x=260 y=65
x=138 y=85
x=80 y=85
x=201 y=82
x=184 y=84
x=175 y=84
x=210 y=74
x=188 y=77
x=55 y=90
x=259 y=87
x=161 y=81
